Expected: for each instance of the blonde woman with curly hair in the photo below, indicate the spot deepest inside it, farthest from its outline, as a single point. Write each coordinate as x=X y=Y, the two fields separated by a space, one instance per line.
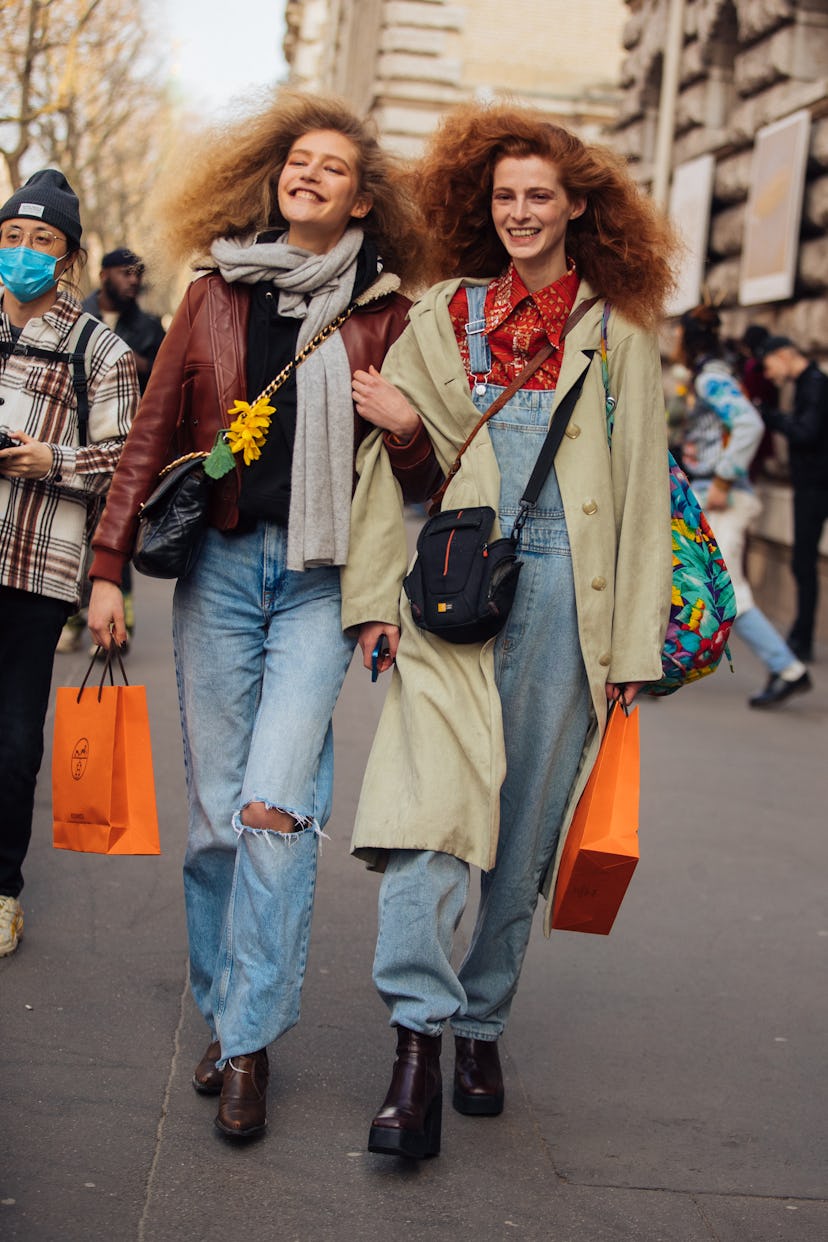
x=304 y=222
x=483 y=749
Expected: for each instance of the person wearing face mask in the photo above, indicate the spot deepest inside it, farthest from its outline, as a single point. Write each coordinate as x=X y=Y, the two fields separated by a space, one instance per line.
x=54 y=467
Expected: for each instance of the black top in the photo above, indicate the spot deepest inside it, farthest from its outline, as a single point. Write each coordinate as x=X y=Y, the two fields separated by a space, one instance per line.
x=806 y=428
x=271 y=344
x=142 y=332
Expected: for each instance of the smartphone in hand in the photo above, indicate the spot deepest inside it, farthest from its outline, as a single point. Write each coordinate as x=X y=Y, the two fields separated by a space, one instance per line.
x=379 y=651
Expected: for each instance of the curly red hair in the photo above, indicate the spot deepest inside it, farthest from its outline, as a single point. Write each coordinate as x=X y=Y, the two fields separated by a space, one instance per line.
x=621 y=244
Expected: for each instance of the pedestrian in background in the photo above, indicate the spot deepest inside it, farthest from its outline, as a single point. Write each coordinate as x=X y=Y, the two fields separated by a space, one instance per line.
x=806 y=430
x=303 y=218
x=115 y=303
x=724 y=430
x=51 y=478
x=759 y=390
x=527 y=224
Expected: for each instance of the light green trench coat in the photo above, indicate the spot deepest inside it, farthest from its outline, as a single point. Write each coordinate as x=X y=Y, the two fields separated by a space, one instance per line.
x=438 y=762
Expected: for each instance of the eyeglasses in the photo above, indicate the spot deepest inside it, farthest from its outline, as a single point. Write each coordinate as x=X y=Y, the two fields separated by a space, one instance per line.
x=37 y=239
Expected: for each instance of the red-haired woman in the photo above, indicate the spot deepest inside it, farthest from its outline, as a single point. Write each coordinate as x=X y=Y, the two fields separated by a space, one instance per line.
x=482 y=752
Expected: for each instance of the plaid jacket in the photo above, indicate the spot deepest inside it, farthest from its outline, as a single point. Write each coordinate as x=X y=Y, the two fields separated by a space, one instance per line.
x=45 y=523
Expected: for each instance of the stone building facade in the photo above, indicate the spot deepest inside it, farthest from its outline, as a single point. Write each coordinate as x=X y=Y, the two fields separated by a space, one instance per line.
x=406 y=61
x=743 y=65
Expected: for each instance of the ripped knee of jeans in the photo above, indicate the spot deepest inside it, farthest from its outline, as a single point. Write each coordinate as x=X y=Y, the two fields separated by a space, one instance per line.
x=263 y=818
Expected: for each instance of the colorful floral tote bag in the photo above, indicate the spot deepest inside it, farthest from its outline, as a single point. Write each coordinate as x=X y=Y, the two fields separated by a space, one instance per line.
x=703 y=606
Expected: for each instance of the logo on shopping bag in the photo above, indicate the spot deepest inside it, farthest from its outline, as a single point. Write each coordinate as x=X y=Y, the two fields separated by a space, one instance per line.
x=80 y=758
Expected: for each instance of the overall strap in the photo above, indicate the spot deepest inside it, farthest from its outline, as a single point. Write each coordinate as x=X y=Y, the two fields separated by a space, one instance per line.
x=480 y=355
x=531 y=367
x=549 y=448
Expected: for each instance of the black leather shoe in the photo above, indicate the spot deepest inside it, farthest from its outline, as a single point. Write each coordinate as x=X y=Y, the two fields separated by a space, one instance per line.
x=777 y=690
x=410 y=1120
x=207 y=1079
x=242 y=1110
x=478 y=1078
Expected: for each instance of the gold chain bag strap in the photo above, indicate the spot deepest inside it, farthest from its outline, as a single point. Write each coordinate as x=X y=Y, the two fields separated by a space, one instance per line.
x=173 y=518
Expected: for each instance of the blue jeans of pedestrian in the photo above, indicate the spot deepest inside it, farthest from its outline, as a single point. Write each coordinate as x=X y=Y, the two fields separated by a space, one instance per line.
x=30 y=626
x=730 y=526
x=260 y=659
x=546 y=716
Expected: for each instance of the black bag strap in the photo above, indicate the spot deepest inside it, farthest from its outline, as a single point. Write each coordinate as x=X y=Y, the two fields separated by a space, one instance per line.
x=549 y=448
x=107 y=653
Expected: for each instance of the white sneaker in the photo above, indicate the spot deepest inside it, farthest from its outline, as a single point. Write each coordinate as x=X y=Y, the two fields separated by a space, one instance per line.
x=11 y=924
x=71 y=639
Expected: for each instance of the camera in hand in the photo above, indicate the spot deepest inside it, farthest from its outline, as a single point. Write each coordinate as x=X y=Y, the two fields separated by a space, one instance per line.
x=6 y=440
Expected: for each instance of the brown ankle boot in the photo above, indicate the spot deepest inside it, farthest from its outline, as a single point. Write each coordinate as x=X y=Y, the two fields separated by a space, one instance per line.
x=478 y=1079
x=243 y=1106
x=207 y=1079
x=409 y=1122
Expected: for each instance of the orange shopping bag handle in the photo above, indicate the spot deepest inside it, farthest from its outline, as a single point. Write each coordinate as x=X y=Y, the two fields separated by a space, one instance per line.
x=107 y=668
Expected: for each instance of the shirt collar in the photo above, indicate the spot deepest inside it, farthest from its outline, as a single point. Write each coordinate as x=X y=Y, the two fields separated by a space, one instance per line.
x=554 y=302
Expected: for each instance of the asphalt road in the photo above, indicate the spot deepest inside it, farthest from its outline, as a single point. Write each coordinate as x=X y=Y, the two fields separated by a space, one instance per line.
x=664 y=1084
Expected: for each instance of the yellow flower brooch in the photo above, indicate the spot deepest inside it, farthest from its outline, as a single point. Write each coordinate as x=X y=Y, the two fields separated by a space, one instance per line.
x=246 y=435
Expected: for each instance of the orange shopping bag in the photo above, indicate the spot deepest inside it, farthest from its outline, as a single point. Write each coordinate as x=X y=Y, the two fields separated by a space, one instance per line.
x=103 y=790
x=601 y=850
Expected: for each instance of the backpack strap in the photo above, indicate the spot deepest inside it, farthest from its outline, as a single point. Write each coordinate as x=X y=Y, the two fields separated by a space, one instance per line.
x=79 y=357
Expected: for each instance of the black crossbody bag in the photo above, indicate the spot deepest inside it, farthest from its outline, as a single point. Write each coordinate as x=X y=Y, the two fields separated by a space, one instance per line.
x=462 y=586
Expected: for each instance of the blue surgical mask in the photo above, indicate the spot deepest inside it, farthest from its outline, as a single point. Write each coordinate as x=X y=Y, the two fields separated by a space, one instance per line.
x=27 y=273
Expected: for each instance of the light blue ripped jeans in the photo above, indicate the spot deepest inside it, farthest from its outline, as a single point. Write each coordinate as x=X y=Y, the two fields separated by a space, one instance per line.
x=260 y=659
x=546 y=716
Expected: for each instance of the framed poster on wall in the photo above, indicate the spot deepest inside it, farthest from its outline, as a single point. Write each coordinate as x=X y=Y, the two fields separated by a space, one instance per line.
x=774 y=210
x=690 y=196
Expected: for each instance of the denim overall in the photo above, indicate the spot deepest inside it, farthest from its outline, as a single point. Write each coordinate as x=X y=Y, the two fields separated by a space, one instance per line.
x=547 y=711
x=260 y=659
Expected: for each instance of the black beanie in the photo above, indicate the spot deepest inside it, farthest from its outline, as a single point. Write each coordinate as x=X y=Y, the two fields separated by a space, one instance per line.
x=47 y=196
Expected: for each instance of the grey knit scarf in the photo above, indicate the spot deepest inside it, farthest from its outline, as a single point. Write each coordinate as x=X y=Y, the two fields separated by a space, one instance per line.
x=313 y=288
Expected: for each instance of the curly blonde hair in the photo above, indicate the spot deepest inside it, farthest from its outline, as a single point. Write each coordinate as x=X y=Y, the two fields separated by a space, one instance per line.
x=621 y=244
x=226 y=185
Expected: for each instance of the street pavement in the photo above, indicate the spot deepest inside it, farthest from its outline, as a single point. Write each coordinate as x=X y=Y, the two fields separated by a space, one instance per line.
x=664 y=1084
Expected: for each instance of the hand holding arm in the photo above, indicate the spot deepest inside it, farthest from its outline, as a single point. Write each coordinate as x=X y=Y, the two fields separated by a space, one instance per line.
x=382 y=404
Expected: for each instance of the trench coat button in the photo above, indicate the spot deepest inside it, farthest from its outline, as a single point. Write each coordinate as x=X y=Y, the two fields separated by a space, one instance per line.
x=573 y=431
x=605 y=660
x=598 y=584
x=589 y=507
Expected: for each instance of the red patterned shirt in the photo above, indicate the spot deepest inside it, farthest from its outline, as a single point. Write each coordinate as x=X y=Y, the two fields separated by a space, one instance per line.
x=518 y=323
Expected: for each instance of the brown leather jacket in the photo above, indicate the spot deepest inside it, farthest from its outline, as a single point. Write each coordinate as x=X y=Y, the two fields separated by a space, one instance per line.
x=199 y=373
